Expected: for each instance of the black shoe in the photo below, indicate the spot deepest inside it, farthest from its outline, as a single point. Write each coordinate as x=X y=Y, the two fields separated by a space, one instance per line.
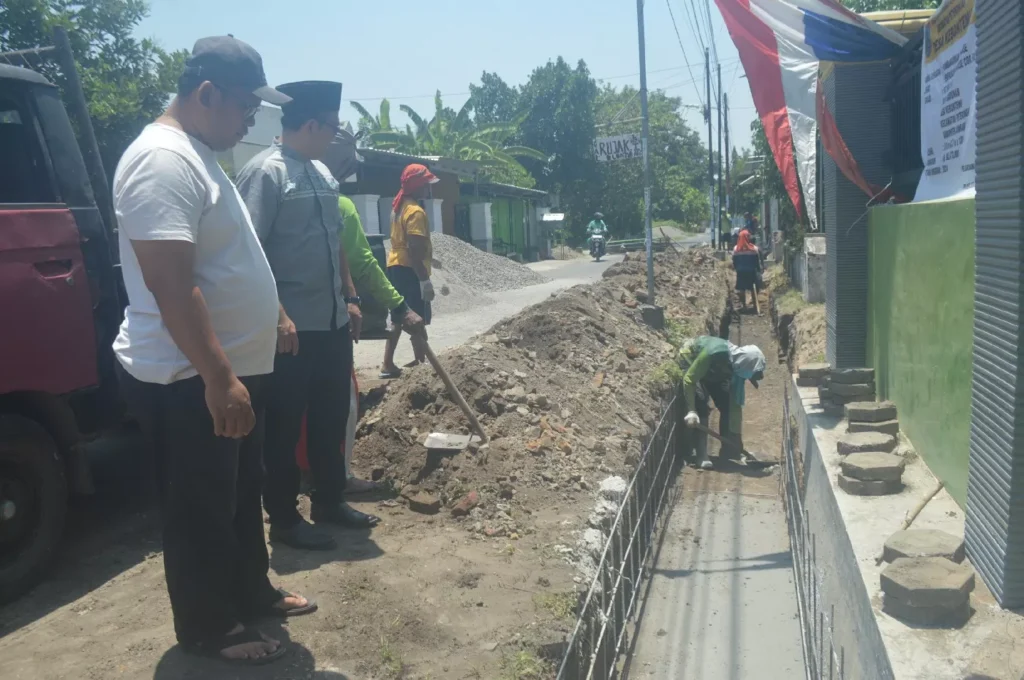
x=344 y=515
x=303 y=536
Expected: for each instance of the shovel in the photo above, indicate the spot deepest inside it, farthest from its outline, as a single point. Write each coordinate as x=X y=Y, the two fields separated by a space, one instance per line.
x=441 y=440
x=750 y=459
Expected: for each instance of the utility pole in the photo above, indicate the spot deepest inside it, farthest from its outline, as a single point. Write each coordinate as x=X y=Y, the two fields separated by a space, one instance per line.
x=647 y=161
x=711 y=150
x=728 y=155
x=719 y=206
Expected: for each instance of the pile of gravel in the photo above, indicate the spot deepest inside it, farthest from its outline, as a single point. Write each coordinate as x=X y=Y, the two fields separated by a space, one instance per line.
x=480 y=270
x=453 y=296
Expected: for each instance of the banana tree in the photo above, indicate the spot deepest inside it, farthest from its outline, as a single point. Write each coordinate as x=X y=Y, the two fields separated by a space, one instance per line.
x=453 y=134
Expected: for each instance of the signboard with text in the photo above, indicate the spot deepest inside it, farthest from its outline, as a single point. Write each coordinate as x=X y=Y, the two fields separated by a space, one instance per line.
x=948 y=73
x=618 y=148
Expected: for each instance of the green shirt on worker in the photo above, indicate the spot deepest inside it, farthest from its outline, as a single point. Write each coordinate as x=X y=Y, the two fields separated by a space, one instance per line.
x=708 y=358
x=366 y=272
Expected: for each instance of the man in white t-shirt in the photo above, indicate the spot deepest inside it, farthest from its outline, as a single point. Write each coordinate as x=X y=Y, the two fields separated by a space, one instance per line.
x=199 y=335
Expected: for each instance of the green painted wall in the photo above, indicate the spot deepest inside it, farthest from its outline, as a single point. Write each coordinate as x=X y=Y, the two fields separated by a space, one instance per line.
x=920 y=326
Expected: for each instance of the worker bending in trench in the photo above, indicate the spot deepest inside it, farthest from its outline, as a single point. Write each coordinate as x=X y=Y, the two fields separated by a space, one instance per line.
x=716 y=368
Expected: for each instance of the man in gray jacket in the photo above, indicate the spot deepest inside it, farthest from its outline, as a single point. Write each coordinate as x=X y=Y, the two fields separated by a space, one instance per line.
x=293 y=201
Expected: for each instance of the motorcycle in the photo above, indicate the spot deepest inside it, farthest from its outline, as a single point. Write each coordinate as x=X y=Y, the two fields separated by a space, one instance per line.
x=597 y=247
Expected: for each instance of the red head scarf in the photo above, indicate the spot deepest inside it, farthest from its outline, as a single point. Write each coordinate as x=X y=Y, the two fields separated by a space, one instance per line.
x=743 y=243
x=414 y=177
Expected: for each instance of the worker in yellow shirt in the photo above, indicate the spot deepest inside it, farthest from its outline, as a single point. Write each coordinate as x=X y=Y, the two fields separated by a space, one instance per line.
x=409 y=259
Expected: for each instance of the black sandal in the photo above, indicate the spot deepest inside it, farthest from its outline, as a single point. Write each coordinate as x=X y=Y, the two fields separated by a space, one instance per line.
x=310 y=606
x=212 y=650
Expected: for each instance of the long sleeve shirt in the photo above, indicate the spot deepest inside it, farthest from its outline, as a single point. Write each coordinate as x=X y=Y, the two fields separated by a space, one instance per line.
x=707 y=358
x=365 y=270
x=293 y=203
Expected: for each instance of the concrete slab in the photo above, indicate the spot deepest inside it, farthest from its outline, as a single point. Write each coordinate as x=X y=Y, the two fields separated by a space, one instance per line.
x=871 y=411
x=851 y=376
x=873 y=467
x=885 y=427
x=721 y=603
x=924 y=543
x=853 y=390
x=858 y=487
x=864 y=442
x=927 y=581
x=815 y=371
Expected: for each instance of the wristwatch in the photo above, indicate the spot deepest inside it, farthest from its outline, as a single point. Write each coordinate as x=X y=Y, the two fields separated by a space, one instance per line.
x=354 y=300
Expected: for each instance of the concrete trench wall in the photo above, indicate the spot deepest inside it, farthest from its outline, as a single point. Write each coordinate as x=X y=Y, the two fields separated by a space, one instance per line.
x=839 y=595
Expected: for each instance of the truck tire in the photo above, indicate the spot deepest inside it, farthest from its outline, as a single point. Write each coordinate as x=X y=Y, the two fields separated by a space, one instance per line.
x=33 y=503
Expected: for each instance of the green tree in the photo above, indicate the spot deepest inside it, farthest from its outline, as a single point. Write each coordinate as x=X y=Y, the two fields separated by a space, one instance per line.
x=454 y=134
x=558 y=105
x=127 y=81
x=369 y=123
x=494 y=101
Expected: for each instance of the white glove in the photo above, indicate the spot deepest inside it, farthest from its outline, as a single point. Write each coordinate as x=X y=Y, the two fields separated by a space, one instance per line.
x=427 y=290
x=692 y=419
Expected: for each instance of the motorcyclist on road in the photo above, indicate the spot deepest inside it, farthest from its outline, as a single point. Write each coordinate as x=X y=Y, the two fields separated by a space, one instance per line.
x=597 y=227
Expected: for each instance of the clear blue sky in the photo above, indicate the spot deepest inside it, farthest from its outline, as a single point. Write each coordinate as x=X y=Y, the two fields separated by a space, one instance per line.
x=406 y=50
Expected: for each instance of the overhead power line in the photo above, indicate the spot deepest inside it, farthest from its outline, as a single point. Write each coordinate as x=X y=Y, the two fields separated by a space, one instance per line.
x=679 y=38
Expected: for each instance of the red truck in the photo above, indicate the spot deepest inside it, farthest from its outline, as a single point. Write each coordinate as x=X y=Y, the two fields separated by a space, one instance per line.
x=61 y=303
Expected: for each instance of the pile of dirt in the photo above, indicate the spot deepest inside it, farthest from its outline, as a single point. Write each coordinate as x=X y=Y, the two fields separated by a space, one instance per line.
x=564 y=390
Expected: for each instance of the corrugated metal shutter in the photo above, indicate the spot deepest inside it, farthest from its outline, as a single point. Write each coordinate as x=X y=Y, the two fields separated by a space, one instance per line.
x=995 y=486
x=856 y=97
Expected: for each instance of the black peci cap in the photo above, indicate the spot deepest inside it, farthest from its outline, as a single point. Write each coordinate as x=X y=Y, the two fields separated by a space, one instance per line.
x=312 y=97
x=229 y=62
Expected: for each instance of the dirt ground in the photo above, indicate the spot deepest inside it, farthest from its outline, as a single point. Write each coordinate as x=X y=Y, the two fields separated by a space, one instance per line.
x=566 y=390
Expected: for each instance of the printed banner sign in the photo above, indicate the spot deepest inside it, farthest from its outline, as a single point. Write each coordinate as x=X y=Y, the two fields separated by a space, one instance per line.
x=618 y=148
x=948 y=73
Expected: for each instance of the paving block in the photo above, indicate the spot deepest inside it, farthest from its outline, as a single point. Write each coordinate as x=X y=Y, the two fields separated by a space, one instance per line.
x=871 y=411
x=831 y=409
x=864 y=442
x=856 y=390
x=951 y=617
x=824 y=394
x=857 y=487
x=853 y=376
x=924 y=543
x=927 y=581
x=873 y=467
x=842 y=400
x=891 y=427
x=801 y=381
x=814 y=371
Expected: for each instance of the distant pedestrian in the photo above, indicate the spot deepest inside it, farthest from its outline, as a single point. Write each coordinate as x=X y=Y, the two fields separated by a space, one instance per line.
x=198 y=338
x=746 y=260
x=294 y=204
x=409 y=262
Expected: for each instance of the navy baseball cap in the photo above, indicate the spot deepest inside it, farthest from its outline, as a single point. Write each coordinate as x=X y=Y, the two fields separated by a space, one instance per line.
x=229 y=62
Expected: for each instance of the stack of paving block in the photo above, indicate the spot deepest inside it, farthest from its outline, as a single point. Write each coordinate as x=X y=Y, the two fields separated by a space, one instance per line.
x=869 y=467
x=847 y=386
x=926 y=582
x=818 y=375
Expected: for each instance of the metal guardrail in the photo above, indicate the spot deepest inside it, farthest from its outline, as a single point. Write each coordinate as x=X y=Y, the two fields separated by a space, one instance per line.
x=600 y=631
x=821 y=658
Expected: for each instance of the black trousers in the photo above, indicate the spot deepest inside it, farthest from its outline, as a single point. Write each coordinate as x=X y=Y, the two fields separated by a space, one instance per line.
x=215 y=553
x=316 y=382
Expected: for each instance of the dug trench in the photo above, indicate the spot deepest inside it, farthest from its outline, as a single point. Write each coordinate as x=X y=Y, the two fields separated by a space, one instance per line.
x=474 y=571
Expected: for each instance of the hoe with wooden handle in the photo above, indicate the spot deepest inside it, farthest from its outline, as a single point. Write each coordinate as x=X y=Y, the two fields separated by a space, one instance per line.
x=455 y=442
